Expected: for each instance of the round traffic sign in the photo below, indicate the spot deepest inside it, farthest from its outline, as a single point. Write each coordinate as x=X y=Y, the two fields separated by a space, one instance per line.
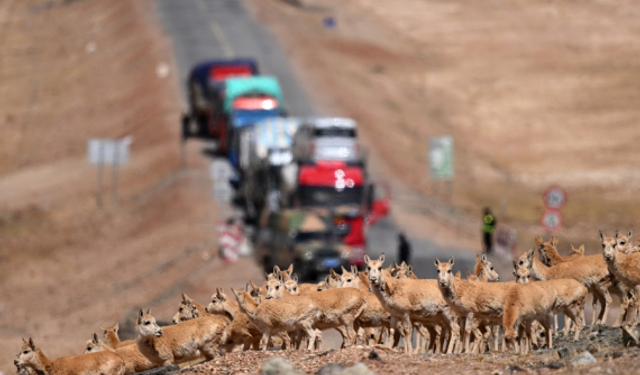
x=551 y=220
x=554 y=197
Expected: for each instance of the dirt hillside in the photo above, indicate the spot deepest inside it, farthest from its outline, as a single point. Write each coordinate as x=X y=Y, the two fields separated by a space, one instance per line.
x=534 y=93
x=72 y=70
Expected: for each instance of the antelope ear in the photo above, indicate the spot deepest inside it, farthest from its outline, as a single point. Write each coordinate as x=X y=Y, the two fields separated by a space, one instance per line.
x=483 y=257
x=436 y=262
x=333 y=273
x=629 y=234
x=458 y=275
x=393 y=265
x=235 y=292
x=184 y=297
x=616 y=236
x=381 y=258
x=554 y=241
x=254 y=286
x=95 y=338
x=468 y=273
x=354 y=269
x=515 y=274
x=103 y=330
x=295 y=277
x=266 y=275
x=451 y=261
x=276 y=270
x=515 y=264
x=539 y=241
x=141 y=314
x=149 y=311
x=581 y=248
x=290 y=269
x=410 y=268
x=601 y=236
x=530 y=254
x=116 y=327
x=366 y=258
x=31 y=344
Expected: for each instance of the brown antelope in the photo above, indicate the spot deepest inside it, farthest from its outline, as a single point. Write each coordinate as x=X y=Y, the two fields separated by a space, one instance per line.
x=134 y=361
x=86 y=364
x=412 y=301
x=180 y=342
x=283 y=315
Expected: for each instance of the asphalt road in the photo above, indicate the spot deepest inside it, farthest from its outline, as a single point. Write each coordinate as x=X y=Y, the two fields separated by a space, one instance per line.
x=206 y=29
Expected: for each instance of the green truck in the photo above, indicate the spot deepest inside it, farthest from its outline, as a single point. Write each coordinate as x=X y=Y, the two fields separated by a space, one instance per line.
x=307 y=239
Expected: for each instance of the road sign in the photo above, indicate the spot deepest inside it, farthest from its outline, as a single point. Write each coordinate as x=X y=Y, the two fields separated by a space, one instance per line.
x=222 y=192
x=441 y=157
x=108 y=151
x=551 y=220
x=554 y=197
x=220 y=171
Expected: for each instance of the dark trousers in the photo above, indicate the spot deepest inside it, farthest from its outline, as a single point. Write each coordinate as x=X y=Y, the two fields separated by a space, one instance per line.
x=487 y=241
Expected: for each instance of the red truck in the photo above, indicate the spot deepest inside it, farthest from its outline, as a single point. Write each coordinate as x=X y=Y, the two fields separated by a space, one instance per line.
x=342 y=189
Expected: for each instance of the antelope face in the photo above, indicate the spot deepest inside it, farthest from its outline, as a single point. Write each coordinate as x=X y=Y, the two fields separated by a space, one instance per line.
x=291 y=286
x=492 y=274
x=27 y=354
x=93 y=345
x=521 y=274
x=185 y=312
x=374 y=269
x=609 y=246
x=275 y=289
x=624 y=242
x=445 y=274
x=147 y=326
x=347 y=280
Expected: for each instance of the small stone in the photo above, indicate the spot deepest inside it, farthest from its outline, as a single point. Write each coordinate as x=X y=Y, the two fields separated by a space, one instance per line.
x=359 y=369
x=555 y=365
x=617 y=355
x=330 y=369
x=279 y=366
x=515 y=368
x=565 y=352
x=583 y=359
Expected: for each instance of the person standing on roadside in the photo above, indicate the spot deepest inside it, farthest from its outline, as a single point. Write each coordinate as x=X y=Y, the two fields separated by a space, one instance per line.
x=488 y=227
x=404 y=249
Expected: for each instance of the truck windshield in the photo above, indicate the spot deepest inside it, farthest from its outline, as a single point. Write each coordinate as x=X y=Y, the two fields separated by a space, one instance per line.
x=312 y=236
x=325 y=196
x=334 y=132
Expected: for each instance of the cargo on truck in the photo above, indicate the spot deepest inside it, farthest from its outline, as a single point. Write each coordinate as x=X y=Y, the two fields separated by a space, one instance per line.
x=265 y=149
x=341 y=191
x=206 y=91
x=307 y=239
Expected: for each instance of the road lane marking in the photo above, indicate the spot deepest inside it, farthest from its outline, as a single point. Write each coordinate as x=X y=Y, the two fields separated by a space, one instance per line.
x=227 y=48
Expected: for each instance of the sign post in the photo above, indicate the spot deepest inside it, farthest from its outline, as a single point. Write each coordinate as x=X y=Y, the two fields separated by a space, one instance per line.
x=441 y=163
x=108 y=152
x=554 y=199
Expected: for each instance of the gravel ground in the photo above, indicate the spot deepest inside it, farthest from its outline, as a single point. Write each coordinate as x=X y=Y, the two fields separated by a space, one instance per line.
x=598 y=351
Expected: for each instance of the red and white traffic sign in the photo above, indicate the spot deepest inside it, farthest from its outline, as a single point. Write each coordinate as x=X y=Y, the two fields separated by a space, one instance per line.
x=554 y=197
x=551 y=220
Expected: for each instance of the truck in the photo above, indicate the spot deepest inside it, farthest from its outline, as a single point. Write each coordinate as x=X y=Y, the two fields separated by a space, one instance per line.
x=305 y=238
x=247 y=101
x=327 y=138
x=265 y=149
x=206 y=91
x=341 y=191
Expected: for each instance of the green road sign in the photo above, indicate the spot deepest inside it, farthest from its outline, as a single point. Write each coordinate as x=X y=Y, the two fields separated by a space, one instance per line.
x=441 y=157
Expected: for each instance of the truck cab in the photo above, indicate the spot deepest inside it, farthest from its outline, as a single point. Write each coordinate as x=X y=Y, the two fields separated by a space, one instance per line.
x=304 y=238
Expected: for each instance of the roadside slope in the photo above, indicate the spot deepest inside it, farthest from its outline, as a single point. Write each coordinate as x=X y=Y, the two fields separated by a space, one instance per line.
x=72 y=70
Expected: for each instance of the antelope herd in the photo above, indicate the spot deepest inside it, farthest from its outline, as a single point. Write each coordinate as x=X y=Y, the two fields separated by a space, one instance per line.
x=378 y=306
